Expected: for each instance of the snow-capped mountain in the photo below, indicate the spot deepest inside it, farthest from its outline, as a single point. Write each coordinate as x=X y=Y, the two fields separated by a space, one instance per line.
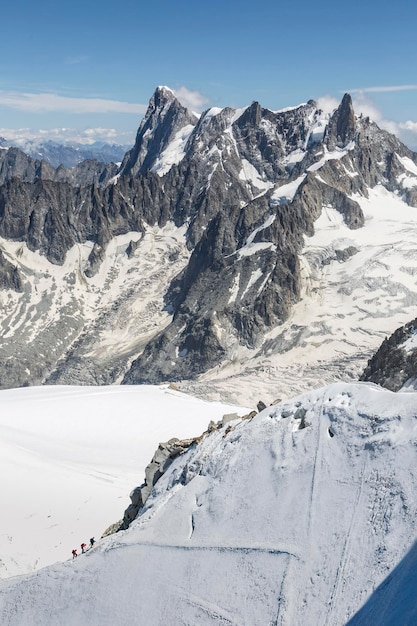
x=233 y=242
x=302 y=514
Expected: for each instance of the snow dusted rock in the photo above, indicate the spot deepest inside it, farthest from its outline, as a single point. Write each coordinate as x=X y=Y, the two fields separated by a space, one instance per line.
x=161 y=460
x=10 y=277
x=164 y=121
x=304 y=514
x=395 y=363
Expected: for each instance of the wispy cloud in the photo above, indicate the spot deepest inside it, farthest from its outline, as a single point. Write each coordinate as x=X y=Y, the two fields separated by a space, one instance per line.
x=328 y=103
x=382 y=89
x=47 y=102
x=191 y=99
x=76 y=60
x=407 y=132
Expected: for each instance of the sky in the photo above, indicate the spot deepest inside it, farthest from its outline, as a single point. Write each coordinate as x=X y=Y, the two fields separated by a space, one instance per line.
x=86 y=71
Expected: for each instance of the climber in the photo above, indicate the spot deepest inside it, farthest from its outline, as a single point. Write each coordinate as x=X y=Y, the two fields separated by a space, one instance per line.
x=92 y=542
x=83 y=547
x=74 y=554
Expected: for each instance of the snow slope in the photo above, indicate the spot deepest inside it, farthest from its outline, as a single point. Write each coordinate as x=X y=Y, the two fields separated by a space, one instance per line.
x=294 y=517
x=69 y=457
x=109 y=316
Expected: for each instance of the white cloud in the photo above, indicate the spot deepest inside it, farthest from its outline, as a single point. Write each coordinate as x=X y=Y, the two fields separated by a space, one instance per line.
x=409 y=125
x=407 y=131
x=46 y=102
x=327 y=103
x=191 y=99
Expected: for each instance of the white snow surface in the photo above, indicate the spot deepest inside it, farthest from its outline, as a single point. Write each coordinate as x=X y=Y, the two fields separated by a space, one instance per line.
x=286 y=193
x=336 y=154
x=250 y=174
x=295 y=517
x=70 y=456
x=174 y=152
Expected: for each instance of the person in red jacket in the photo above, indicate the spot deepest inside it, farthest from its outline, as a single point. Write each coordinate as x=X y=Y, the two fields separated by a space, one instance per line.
x=83 y=547
x=74 y=554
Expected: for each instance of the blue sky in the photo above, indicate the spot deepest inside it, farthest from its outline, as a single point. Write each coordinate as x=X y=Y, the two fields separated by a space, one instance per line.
x=91 y=67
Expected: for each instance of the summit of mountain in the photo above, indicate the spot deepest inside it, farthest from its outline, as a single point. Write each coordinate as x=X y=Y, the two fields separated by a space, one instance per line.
x=166 y=122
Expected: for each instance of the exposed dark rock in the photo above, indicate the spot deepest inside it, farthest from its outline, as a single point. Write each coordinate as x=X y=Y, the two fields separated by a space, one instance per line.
x=341 y=255
x=131 y=248
x=392 y=365
x=161 y=460
x=10 y=277
x=165 y=454
x=164 y=118
x=342 y=125
x=97 y=255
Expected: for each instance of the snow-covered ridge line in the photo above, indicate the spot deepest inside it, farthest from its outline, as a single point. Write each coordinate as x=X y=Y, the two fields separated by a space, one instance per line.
x=300 y=512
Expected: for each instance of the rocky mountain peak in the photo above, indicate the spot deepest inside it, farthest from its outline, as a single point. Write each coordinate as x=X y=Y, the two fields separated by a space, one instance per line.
x=342 y=125
x=161 y=94
x=164 y=119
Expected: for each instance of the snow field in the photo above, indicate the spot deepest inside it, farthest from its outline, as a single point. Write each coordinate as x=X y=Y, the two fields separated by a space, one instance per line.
x=71 y=456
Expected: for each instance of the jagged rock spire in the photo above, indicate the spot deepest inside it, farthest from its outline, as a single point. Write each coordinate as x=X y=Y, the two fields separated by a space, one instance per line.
x=342 y=125
x=163 y=119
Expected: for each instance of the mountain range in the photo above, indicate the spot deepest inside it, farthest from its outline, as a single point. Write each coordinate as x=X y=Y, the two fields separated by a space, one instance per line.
x=67 y=154
x=250 y=255
x=223 y=244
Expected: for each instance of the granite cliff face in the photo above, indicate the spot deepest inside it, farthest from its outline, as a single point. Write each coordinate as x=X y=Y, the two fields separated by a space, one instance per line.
x=241 y=189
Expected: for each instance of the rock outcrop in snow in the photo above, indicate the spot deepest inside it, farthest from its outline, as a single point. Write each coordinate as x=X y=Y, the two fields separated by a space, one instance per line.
x=394 y=365
x=161 y=461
